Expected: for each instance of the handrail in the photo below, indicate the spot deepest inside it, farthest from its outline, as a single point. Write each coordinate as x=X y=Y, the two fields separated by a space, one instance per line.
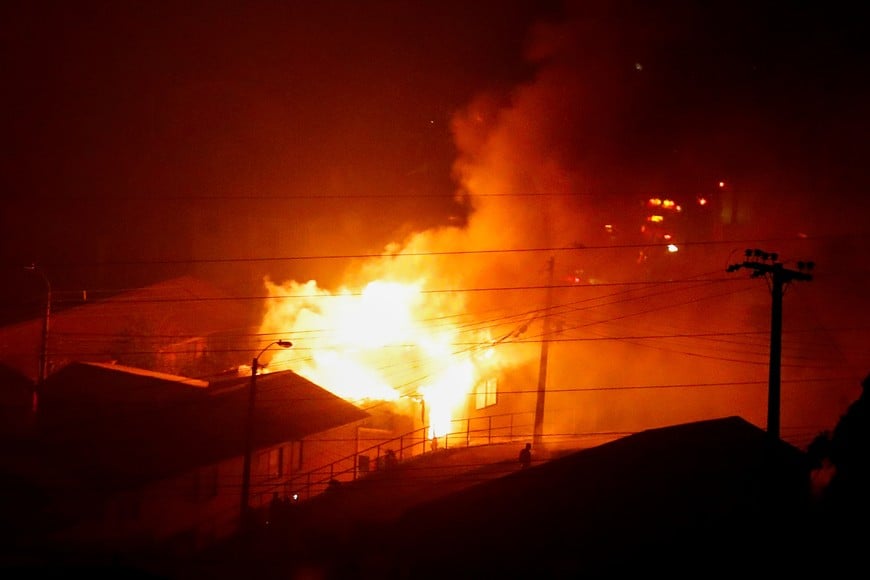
x=500 y=428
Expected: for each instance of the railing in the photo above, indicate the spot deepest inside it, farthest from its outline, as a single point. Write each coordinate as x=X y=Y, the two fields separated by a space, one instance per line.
x=465 y=433
x=473 y=431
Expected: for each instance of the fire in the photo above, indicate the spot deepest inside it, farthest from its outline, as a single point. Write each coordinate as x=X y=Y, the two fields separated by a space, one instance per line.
x=389 y=341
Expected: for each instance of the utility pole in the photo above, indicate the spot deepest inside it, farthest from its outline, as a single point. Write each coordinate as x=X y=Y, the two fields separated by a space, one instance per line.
x=545 y=349
x=764 y=264
x=43 y=351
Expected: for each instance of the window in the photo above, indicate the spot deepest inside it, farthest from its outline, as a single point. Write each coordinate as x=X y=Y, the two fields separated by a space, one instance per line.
x=295 y=460
x=486 y=393
x=276 y=462
x=269 y=462
x=201 y=484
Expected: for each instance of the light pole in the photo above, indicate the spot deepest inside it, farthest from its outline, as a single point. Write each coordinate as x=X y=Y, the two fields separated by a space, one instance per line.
x=43 y=352
x=249 y=432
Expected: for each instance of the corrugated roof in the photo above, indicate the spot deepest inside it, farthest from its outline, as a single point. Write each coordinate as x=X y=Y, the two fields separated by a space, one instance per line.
x=117 y=427
x=128 y=370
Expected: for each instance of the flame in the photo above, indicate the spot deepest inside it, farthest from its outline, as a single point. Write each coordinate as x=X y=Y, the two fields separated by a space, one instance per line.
x=388 y=341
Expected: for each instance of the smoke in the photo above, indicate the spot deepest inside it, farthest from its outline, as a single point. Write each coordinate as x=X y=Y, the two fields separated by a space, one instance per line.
x=541 y=170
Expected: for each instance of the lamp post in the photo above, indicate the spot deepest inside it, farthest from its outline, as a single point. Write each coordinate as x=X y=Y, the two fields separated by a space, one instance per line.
x=249 y=431
x=43 y=352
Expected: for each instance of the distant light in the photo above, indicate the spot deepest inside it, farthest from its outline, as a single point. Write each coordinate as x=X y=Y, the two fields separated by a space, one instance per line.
x=667 y=236
x=721 y=184
x=672 y=248
x=656 y=219
x=702 y=201
x=638 y=66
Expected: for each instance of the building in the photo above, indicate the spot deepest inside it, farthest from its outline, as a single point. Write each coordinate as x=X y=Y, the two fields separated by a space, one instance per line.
x=127 y=462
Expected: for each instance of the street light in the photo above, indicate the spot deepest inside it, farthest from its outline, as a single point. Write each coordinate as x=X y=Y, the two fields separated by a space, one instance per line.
x=43 y=353
x=249 y=431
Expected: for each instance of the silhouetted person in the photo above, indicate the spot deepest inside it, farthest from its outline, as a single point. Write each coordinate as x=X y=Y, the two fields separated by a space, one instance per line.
x=526 y=456
x=391 y=460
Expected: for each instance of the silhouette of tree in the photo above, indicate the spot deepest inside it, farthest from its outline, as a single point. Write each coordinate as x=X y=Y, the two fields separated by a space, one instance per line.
x=845 y=453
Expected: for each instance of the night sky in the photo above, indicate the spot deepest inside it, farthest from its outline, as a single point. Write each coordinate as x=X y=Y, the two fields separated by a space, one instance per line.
x=236 y=140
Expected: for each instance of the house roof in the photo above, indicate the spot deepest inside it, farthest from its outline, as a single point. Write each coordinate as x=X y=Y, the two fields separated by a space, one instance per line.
x=118 y=427
x=287 y=406
x=688 y=500
x=15 y=388
x=716 y=490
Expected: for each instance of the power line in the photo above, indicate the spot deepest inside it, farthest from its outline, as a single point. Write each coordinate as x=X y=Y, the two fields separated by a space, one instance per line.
x=571 y=248
x=120 y=301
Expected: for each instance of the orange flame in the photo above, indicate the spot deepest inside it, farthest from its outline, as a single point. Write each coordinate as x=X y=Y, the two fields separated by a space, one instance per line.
x=388 y=341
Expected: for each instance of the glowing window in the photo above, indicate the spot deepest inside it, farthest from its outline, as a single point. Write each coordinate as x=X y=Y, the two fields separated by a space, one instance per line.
x=486 y=393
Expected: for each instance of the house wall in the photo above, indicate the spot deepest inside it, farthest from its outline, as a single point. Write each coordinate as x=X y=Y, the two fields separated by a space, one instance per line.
x=174 y=516
x=186 y=513
x=308 y=465
x=501 y=408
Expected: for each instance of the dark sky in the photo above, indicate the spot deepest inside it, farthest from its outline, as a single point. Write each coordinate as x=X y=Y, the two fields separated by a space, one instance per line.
x=149 y=139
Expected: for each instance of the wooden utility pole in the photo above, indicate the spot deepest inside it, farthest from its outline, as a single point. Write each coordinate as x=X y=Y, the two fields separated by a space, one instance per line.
x=545 y=349
x=765 y=264
x=43 y=352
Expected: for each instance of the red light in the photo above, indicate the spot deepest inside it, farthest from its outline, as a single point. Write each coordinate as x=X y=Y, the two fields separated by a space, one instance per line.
x=702 y=201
